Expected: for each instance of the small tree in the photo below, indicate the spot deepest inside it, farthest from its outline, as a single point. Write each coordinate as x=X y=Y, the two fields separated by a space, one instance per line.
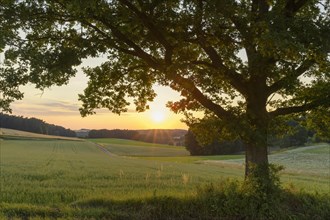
x=244 y=63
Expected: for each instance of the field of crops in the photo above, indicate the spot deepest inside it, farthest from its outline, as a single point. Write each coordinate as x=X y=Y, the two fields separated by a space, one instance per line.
x=136 y=148
x=62 y=173
x=11 y=133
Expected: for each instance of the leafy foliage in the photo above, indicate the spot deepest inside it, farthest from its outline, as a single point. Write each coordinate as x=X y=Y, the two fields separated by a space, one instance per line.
x=188 y=45
x=319 y=120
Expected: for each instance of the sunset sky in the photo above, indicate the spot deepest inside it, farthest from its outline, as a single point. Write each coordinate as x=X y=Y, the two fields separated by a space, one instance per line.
x=59 y=105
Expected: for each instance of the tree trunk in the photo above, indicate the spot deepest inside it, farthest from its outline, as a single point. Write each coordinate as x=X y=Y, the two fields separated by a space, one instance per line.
x=256 y=153
x=257 y=170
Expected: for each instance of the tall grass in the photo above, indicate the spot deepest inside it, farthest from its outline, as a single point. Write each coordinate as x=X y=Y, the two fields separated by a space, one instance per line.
x=228 y=200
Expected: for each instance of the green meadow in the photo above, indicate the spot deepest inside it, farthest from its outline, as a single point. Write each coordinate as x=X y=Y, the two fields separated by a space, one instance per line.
x=136 y=148
x=105 y=178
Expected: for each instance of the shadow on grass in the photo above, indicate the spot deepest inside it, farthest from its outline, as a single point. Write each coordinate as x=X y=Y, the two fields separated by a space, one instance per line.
x=231 y=200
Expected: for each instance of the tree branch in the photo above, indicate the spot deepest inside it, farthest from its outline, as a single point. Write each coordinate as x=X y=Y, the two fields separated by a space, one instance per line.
x=292 y=110
x=95 y=28
x=302 y=108
x=139 y=52
x=293 y=6
x=183 y=82
x=263 y=7
x=294 y=75
x=235 y=79
x=152 y=28
x=203 y=63
x=201 y=98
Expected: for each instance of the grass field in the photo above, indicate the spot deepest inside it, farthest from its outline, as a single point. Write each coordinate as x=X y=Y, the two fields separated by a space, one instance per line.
x=14 y=134
x=46 y=175
x=136 y=148
x=62 y=172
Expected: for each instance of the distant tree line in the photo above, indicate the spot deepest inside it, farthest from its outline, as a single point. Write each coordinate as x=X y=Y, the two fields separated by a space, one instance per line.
x=33 y=125
x=160 y=136
x=297 y=133
x=163 y=136
x=215 y=148
x=116 y=133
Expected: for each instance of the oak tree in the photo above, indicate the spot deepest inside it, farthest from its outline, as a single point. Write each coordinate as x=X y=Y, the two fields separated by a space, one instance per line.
x=244 y=63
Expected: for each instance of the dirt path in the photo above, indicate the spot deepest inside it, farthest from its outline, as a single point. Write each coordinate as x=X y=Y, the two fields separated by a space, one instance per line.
x=104 y=150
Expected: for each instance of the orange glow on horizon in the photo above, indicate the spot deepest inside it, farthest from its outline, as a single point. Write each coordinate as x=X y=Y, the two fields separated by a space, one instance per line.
x=59 y=106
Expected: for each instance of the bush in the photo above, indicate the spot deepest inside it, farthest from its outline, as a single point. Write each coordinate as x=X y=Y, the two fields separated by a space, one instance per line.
x=256 y=199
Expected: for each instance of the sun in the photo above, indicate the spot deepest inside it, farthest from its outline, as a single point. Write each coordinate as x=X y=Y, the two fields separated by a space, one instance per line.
x=158 y=116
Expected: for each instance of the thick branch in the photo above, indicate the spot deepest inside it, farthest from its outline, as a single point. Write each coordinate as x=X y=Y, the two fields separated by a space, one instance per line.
x=295 y=109
x=235 y=79
x=201 y=98
x=242 y=25
x=99 y=31
x=148 y=23
x=183 y=82
x=261 y=6
x=294 y=75
x=293 y=6
x=152 y=28
x=139 y=52
x=290 y=110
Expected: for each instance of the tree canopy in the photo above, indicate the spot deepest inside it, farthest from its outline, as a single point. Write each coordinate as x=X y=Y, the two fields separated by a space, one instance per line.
x=244 y=63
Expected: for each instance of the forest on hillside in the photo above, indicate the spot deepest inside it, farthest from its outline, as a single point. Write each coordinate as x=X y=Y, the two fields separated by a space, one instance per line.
x=33 y=125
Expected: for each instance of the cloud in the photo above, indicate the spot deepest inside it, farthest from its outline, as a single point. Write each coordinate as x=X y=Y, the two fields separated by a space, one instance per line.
x=51 y=107
x=45 y=107
x=62 y=106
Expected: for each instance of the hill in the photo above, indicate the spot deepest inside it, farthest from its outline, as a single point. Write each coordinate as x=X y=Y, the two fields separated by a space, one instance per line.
x=61 y=179
x=7 y=133
x=33 y=125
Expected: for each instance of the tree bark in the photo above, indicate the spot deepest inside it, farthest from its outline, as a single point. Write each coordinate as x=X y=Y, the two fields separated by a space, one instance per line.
x=257 y=170
x=256 y=152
